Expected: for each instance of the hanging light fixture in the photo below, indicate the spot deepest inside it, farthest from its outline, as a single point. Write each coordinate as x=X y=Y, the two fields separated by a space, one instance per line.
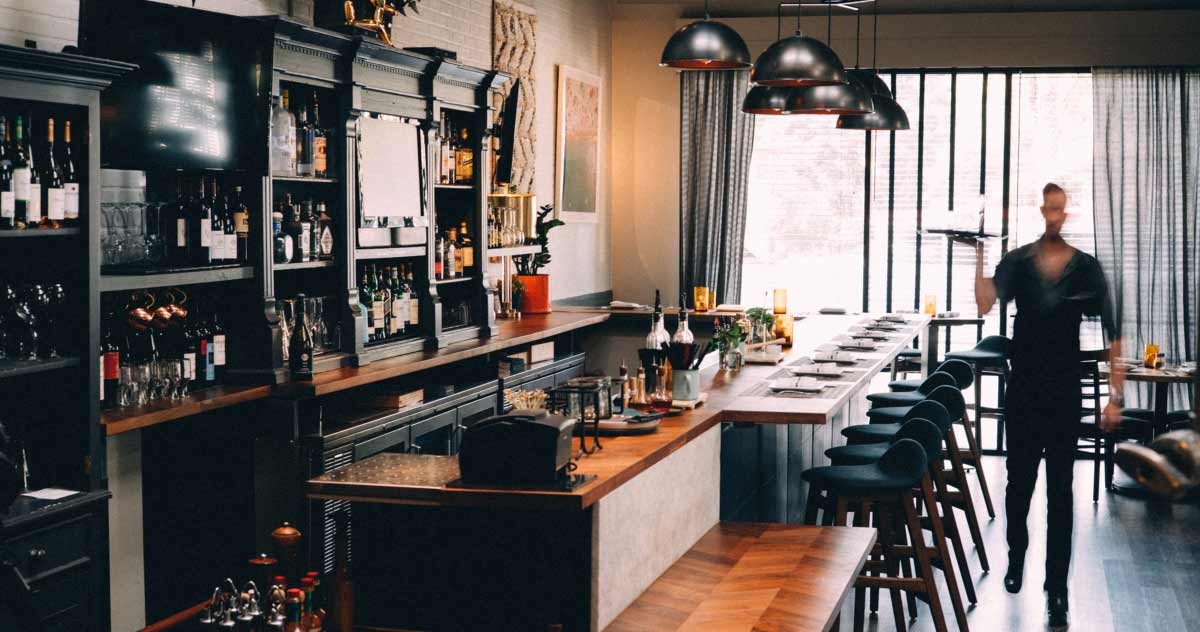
x=886 y=114
x=706 y=45
x=797 y=61
x=851 y=97
x=766 y=100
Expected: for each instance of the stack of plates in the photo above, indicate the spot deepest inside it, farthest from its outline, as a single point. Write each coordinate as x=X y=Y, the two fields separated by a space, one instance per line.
x=817 y=370
x=839 y=357
x=857 y=345
x=796 y=385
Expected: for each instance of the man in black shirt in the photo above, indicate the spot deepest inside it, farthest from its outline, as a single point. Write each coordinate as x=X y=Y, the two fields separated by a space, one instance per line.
x=1054 y=286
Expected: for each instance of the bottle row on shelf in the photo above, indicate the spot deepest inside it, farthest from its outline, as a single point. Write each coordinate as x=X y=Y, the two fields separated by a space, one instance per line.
x=390 y=299
x=302 y=231
x=39 y=183
x=299 y=144
x=456 y=164
x=454 y=253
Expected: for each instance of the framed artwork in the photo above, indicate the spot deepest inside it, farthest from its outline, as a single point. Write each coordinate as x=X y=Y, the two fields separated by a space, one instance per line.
x=577 y=164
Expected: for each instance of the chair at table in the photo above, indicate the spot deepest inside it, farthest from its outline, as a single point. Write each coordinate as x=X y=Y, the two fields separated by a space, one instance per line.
x=1094 y=396
x=988 y=358
x=964 y=377
x=907 y=398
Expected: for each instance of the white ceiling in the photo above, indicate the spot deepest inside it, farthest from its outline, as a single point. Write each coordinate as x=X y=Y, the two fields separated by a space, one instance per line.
x=740 y=8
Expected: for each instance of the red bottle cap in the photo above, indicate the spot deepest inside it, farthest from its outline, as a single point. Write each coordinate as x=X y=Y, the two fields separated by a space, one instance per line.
x=280 y=580
x=312 y=574
x=293 y=593
x=305 y=582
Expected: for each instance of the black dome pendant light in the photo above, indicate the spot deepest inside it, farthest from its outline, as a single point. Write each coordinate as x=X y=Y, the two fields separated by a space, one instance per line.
x=886 y=114
x=766 y=100
x=798 y=61
x=706 y=45
x=851 y=97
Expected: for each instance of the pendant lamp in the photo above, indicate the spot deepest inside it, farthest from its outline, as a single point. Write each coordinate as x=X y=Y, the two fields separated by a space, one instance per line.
x=766 y=100
x=798 y=61
x=706 y=45
x=886 y=114
x=851 y=97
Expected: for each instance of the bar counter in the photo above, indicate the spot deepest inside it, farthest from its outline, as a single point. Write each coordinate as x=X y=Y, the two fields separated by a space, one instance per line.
x=605 y=542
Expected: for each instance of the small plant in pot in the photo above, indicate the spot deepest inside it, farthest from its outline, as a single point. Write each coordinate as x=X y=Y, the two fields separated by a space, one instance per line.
x=518 y=294
x=536 y=298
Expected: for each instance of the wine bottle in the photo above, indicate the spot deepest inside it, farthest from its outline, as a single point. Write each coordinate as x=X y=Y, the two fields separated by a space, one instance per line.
x=380 y=303
x=218 y=349
x=216 y=225
x=53 y=183
x=70 y=179
x=8 y=198
x=414 y=302
x=365 y=299
x=26 y=185
x=110 y=367
x=241 y=226
x=175 y=226
x=300 y=347
x=199 y=220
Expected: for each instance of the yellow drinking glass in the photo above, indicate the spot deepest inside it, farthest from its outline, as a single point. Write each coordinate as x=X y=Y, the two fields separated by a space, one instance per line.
x=702 y=298
x=781 y=305
x=931 y=304
x=1151 y=356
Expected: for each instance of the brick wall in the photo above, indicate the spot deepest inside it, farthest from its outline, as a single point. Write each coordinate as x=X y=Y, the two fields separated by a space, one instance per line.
x=463 y=26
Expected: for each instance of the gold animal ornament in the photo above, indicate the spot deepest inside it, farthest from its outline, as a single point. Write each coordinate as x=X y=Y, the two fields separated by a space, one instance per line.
x=380 y=21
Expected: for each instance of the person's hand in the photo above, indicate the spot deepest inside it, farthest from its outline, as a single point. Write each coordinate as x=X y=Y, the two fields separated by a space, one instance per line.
x=1110 y=419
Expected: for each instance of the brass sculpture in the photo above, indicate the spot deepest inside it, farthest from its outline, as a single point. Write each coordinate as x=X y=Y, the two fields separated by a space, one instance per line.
x=380 y=22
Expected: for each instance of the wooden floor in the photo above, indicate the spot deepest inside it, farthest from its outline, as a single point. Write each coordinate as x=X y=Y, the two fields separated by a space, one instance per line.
x=1136 y=566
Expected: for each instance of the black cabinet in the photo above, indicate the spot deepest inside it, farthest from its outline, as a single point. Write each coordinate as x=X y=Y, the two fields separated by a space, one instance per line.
x=434 y=435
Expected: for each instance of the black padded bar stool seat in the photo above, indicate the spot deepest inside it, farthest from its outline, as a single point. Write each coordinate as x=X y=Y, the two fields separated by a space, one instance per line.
x=883 y=432
x=935 y=380
x=963 y=373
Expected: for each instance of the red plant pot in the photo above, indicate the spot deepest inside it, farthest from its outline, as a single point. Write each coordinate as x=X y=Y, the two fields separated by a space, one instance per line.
x=537 y=293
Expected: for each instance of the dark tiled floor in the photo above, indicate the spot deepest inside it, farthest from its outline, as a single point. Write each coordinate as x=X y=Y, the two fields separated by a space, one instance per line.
x=1136 y=566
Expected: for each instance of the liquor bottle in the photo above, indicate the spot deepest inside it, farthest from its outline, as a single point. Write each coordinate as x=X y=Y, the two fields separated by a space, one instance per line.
x=464 y=158
x=439 y=259
x=293 y=612
x=216 y=225
x=240 y=215
x=300 y=347
x=414 y=301
x=320 y=143
x=683 y=333
x=218 y=348
x=452 y=263
x=110 y=368
x=314 y=231
x=190 y=360
x=400 y=308
x=175 y=225
x=8 y=198
x=199 y=222
x=343 y=583
x=446 y=151
x=380 y=302
x=324 y=231
x=26 y=185
x=283 y=137
x=309 y=619
x=292 y=228
x=658 y=332
x=306 y=232
x=205 y=371
x=53 y=184
x=70 y=179
x=366 y=300
x=306 y=135
x=466 y=246
x=281 y=241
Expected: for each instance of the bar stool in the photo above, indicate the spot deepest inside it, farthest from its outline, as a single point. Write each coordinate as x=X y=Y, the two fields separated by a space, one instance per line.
x=907 y=361
x=988 y=357
x=884 y=489
x=859 y=454
x=882 y=432
x=908 y=398
x=964 y=377
x=952 y=400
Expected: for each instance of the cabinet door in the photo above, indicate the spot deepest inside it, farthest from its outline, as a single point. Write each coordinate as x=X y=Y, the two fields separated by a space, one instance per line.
x=434 y=435
x=391 y=441
x=470 y=414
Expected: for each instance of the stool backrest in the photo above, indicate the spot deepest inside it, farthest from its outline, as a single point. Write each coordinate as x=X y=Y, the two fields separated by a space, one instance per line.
x=925 y=433
x=931 y=411
x=952 y=399
x=935 y=380
x=905 y=460
x=995 y=343
x=964 y=375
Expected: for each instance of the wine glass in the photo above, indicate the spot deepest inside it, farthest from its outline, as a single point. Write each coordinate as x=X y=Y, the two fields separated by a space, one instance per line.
x=320 y=328
x=170 y=373
x=284 y=308
x=140 y=374
x=129 y=385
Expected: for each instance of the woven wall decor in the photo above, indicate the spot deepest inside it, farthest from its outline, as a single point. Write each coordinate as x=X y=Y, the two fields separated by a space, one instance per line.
x=514 y=46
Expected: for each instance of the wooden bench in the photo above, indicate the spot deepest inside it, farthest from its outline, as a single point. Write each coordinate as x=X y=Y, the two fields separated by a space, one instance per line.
x=749 y=576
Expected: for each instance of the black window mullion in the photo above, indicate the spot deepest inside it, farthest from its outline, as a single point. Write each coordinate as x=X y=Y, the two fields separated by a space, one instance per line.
x=949 y=243
x=891 y=236
x=1007 y=181
x=920 y=186
x=983 y=130
x=866 y=283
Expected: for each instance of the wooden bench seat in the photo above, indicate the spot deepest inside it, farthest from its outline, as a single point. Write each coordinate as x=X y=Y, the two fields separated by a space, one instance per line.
x=749 y=576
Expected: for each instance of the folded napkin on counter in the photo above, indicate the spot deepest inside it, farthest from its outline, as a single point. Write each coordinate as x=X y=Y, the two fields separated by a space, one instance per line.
x=625 y=305
x=832 y=310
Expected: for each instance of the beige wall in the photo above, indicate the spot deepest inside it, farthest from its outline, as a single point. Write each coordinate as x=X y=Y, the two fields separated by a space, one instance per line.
x=645 y=135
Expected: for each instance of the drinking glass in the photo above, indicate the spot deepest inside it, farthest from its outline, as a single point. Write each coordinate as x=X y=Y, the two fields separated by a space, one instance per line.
x=320 y=327
x=700 y=298
x=141 y=379
x=170 y=373
x=182 y=382
x=131 y=387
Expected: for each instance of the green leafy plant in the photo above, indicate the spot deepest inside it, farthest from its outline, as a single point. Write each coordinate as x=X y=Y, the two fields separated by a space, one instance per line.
x=760 y=316
x=528 y=265
x=518 y=293
x=729 y=334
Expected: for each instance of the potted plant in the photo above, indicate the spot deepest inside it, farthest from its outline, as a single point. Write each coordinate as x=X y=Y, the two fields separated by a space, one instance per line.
x=762 y=324
x=730 y=337
x=536 y=299
x=518 y=294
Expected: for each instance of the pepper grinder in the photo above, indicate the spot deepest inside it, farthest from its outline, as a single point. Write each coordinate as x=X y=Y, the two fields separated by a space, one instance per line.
x=287 y=544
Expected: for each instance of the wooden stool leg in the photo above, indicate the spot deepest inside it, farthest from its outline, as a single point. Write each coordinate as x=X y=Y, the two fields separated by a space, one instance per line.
x=978 y=404
x=950 y=524
x=900 y=536
x=875 y=515
x=860 y=603
x=887 y=537
x=968 y=501
x=983 y=486
x=922 y=555
x=939 y=543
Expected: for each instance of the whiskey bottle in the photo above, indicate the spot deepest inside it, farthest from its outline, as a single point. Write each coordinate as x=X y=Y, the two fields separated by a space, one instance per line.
x=324 y=232
x=281 y=241
x=439 y=250
x=70 y=179
x=241 y=225
x=26 y=185
x=300 y=347
x=52 y=179
x=414 y=302
x=283 y=137
x=465 y=246
x=320 y=143
x=452 y=263
x=366 y=299
x=464 y=159
x=306 y=135
x=8 y=198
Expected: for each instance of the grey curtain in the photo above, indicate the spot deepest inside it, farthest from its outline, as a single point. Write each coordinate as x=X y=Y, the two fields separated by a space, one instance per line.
x=1146 y=159
x=717 y=139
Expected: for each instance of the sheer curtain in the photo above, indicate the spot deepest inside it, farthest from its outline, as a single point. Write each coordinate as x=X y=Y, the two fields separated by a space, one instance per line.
x=715 y=149
x=1145 y=185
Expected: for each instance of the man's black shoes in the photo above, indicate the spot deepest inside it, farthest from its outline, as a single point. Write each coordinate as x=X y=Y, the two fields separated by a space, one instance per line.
x=1056 y=606
x=1015 y=574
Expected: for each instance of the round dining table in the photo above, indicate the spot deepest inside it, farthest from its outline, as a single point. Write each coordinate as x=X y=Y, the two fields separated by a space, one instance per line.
x=1162 y=379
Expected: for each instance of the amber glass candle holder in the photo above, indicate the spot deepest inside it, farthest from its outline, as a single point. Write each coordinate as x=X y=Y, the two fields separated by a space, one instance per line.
x=702 y=298
x=780 y=300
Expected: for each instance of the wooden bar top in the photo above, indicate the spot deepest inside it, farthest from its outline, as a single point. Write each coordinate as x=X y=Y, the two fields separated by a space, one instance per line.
x=508 y=334
x=746 y=577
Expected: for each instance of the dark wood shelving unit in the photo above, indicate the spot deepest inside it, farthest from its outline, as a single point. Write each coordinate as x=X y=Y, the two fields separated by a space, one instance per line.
x=30 y=233
x=305 y=265
x=13 y=368
x=128 y=418
x=121 y=282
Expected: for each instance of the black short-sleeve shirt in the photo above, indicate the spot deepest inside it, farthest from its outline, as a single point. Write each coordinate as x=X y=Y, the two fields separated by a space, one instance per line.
x=1045 y=339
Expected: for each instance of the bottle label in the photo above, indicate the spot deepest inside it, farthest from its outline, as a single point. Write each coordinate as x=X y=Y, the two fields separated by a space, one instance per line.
x=189 y=366
x=288 y=248
x=320 y=162
x=71 y=200
x=21 y=183
x=181 y=233
x=231 y=242
x=111 y=363
x=305 y=240
x=202 y=360
x=210 y=363
x=102 y=377
x=33 y=208
x=8 y=204
x=415 y=305
x=206 y=234
x=326 y=241
x=241 y=222
x=377 y=307
x=468 y=256
x=219 y=350
x=56 y=203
